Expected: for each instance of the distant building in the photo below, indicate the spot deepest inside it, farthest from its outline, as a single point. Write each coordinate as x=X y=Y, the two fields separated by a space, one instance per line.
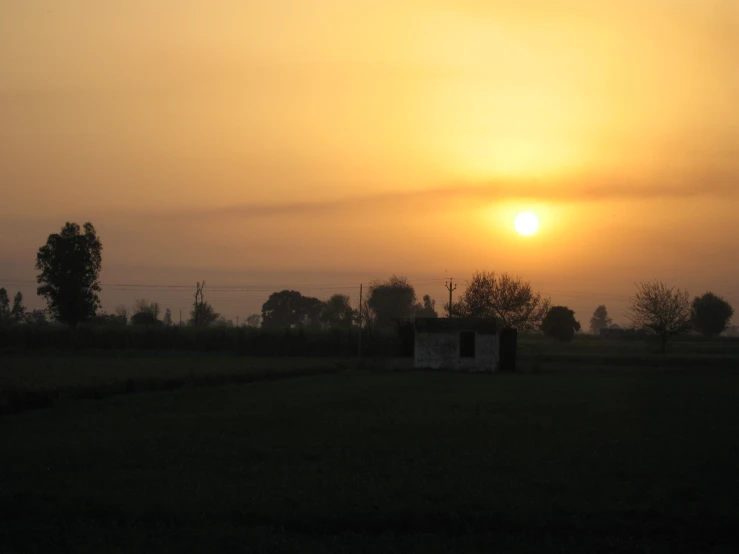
x=468 y=344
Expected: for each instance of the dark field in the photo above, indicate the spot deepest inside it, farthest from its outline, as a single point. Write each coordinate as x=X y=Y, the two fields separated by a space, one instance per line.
x=40 y=381
x=599 y=461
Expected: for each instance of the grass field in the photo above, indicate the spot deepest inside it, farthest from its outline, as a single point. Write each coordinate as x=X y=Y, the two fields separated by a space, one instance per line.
x=39 y=381
x=40 y=378
x=362 y=461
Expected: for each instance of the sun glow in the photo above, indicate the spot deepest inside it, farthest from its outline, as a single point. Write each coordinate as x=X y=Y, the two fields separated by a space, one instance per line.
x=526 y=223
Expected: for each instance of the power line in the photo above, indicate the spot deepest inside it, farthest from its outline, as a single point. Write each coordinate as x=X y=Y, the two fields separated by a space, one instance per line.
x=251 y=292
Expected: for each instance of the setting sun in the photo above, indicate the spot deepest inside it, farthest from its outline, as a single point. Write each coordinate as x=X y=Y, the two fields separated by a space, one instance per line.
x=526 y=223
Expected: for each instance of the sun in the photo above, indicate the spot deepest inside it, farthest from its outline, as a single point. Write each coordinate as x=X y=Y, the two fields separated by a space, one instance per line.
x=526 y=223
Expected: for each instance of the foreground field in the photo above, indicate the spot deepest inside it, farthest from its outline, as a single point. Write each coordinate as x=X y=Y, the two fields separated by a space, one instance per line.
x=391 y=462
x=39 y=381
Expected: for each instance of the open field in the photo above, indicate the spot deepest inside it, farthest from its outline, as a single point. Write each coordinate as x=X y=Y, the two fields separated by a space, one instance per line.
x=390 y=461
x=38 y=381
x=39 y=378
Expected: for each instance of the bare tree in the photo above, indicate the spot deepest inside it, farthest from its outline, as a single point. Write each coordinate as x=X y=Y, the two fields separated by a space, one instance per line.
x=167 y=317
x=661 y=309
x=122 y=313
x=202 y=313
x=508 y=298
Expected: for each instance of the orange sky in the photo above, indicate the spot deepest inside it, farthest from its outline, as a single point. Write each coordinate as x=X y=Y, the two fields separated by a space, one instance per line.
x=297 y=143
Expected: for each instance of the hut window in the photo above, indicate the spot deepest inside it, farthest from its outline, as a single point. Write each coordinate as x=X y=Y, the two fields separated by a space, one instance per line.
x=467 y=344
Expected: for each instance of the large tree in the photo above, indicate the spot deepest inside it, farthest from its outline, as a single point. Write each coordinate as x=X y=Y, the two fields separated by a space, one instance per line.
x=600 y=320
x=508 y=298
x=560 y=324
x=70 y=264
x=338 y=312
x=391 y=300
x=661 y=309
x=711 y=314
x=289 y=308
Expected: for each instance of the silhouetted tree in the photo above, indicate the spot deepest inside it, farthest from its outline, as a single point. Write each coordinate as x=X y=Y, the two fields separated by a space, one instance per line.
x=508 y=298
x=313 y=308
x=223 y=322
x=203 y=316
x=560 y=324
x=104 y=318
x=289 y=308
x=711 y=314
x=253 y=320
x=167 y=320
x=202 y=313
x=661 y=309
x=144 y=318
x=338 y=312
x=389 y=300
x=282 y=309
x=70 y=264
x=36 y=317
x=4 y=307
x=144 y=306
x=427 y=309
x=458 y=309
x=18 y=311
x=600 y=319
x=146 y=313
x=122 y=313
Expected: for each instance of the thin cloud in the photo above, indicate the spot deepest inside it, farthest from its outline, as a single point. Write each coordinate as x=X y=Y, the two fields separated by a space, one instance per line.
x=557 y=193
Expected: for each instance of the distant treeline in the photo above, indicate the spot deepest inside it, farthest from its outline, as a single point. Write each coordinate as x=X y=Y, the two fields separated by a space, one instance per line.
x=244 y=341
x=292 y=324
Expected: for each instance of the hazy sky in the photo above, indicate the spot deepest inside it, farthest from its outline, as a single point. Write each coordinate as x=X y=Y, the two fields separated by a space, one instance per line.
x=312 y=144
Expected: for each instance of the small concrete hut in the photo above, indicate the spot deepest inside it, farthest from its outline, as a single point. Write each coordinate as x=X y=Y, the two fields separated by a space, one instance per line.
x=466 y=344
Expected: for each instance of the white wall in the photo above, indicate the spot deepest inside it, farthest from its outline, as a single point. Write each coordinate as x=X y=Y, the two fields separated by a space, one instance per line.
x=441 y=350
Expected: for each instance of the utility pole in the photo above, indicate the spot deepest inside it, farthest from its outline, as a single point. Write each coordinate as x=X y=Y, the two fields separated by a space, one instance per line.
x=359 y=350
x=180 y=317
x=451 y=288
x=237 y=321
